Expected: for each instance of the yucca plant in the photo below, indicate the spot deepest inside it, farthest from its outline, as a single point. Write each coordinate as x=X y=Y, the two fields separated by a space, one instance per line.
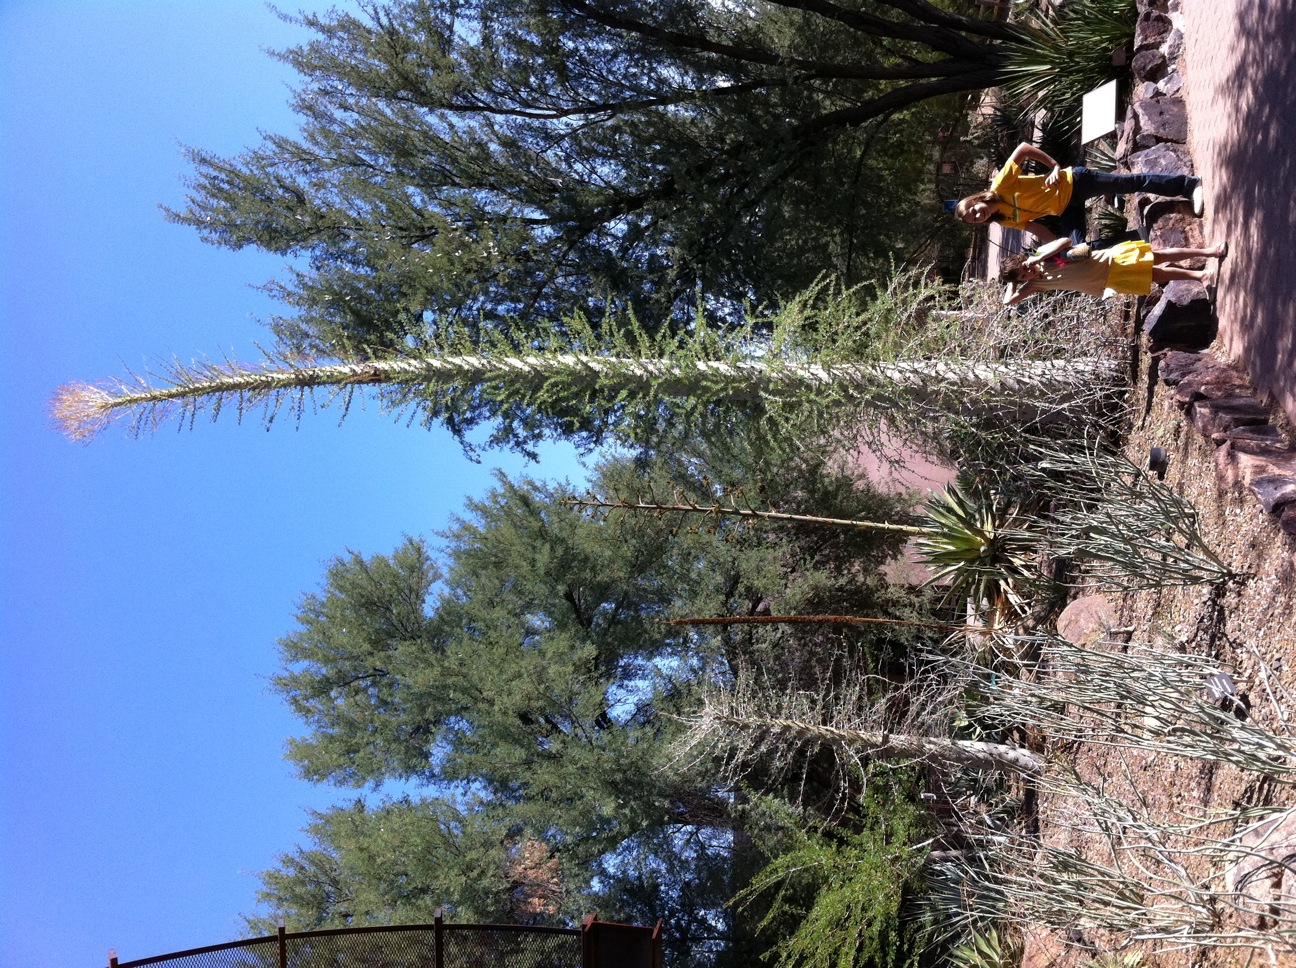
x=983 y=949
x=1129 y=959
x=1066 y=55
x=976 y=542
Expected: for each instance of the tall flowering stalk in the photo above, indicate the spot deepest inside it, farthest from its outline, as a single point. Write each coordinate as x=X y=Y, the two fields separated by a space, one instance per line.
x=1030 y=390
x=810 y=364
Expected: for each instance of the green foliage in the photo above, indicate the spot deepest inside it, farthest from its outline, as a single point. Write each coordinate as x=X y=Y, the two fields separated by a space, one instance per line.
x=1127 y=530
x=838 y=898
x=516 y=683
x=982 y=949
x=977 y=544
x=398 y=862
x=501 y=160
x=1130 y=959
x=1066 y=55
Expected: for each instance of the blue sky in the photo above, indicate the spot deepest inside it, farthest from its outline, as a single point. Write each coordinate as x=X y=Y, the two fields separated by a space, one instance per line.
x=145 y=581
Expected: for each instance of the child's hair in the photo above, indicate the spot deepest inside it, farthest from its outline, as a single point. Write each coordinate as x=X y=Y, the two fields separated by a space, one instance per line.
x=1010 y=268
x=989 y=197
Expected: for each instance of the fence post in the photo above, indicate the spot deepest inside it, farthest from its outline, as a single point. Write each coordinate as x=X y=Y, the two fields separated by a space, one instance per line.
x=438 y=938
x=283 y=944
x=112 y=958
x=657 y=944
x=589 y=953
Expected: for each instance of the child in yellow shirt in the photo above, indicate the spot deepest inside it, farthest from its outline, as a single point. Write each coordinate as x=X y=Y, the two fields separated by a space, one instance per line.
x=1016 y=200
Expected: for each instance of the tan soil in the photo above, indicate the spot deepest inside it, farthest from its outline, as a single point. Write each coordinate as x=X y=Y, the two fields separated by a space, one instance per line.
x=1248 y=627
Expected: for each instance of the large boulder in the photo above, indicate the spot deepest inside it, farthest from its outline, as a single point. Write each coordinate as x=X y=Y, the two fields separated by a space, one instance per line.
x=1212 y=417
x=1274 y=491
x=1235 y=466
x=1161 y=119
x=1182 y=319
x=1210 y=380
x=1263 y=878
x=1262 y=440
x=1164 y=157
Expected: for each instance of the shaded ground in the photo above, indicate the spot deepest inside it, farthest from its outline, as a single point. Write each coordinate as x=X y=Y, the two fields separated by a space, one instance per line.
x=1239 y=70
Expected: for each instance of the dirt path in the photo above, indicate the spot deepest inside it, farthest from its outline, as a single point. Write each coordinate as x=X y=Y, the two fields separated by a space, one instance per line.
x=1239 y=69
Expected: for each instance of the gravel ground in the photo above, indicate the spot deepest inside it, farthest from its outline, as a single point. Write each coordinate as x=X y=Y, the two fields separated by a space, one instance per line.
x=1249 y=628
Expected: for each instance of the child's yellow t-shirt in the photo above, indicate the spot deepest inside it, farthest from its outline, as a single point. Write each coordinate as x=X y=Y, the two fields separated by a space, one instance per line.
x=1026 y=197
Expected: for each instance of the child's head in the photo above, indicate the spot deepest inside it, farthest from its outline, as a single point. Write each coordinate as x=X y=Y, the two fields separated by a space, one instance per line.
x=979 y=208
x=1014 y=268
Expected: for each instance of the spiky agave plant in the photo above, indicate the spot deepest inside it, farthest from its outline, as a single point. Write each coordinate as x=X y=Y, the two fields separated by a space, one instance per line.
x=976 y=542
x=983 y=949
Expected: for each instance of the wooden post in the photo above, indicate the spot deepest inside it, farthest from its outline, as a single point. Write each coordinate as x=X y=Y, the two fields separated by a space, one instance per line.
x=589 y=954
x=438 y=938
x=112 y=958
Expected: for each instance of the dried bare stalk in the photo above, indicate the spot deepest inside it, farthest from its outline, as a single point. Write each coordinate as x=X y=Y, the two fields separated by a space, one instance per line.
x=1138 y=698
x=817 y=619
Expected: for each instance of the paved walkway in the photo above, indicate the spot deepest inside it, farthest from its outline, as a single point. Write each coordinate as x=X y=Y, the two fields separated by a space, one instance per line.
x=1239 y=70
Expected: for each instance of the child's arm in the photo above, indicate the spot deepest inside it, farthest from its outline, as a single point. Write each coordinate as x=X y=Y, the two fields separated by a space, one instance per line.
x=1041 y=233
x=1017 y=293
x=1044 y=251
x=1028 y=152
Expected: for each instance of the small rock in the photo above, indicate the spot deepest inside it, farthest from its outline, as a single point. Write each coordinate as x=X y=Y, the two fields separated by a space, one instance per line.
x=1128 y=132
x=1149 y=65
x=1168 y=223
x=1261 y=879
x=1173 y=46
x=1151 y=29
x=1287 y=519
x=1171 y=85
x=1088 y=619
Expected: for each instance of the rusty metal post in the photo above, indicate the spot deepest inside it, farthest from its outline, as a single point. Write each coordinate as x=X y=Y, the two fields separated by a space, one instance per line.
x=283 y=944
x=438 y=938
x=589 y=953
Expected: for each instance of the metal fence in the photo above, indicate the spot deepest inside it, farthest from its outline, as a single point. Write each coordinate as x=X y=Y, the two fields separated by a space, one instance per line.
x=595 y=944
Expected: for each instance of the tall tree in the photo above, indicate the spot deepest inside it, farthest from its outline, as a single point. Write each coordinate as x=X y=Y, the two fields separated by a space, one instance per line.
x=484 y=161
x=520 y=688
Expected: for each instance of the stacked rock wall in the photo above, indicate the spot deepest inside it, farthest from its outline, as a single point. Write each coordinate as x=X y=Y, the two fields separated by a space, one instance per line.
x=1179 y=319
